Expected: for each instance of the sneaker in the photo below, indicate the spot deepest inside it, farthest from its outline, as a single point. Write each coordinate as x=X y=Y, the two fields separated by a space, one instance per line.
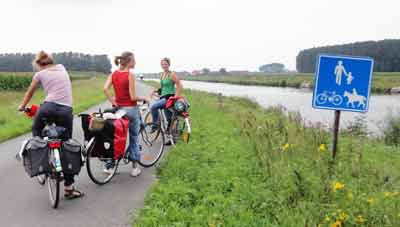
x=108 y=171
x=136 y=172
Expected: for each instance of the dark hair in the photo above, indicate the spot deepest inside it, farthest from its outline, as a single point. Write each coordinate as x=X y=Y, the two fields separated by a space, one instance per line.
x=124 y=59
x=43 y=59
x=167 y=60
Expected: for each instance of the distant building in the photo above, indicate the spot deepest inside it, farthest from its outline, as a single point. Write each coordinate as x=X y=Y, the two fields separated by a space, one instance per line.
x=196 y=72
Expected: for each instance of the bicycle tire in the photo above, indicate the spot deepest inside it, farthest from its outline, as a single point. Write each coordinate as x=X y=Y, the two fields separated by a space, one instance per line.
x=90 y=165
x=322 y=99
x=148 y=119
x=337 y=100
x=152 y=146
x=180 y=130
x=53 y=182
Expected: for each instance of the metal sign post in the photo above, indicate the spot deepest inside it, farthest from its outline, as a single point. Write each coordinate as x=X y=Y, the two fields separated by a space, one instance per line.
x=342 y=83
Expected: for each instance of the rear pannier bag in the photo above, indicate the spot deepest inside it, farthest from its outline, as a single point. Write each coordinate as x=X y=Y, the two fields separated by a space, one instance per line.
x=71 y=157
x=111 y=141
x=86 y=118
x=36 y=157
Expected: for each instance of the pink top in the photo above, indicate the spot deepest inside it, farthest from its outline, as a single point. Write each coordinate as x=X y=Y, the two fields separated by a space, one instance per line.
x=57 y=84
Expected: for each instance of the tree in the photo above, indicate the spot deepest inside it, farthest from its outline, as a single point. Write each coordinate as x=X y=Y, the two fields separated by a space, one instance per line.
x=272 y=68
x=205 y=71
x=72 y=61
x=386 y=54
x=223 y=71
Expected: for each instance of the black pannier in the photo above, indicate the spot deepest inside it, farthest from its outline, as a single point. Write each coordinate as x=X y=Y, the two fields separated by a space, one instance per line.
x=36 y=157
x=71 y=157
x=104 y=144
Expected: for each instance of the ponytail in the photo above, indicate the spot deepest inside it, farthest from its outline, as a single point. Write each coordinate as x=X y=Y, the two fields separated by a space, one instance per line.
x=124 y=58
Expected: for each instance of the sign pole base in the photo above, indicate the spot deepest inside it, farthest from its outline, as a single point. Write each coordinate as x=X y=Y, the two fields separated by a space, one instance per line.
x=336 y=133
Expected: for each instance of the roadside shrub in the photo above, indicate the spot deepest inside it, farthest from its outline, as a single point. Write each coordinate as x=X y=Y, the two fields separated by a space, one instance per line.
x=391 y=131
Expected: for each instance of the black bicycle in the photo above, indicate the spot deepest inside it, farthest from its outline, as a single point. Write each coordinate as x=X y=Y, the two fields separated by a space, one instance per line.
x=102 y=168
x=52 y=135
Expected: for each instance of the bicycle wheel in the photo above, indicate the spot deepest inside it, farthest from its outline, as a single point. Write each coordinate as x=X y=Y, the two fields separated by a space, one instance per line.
x=53 y=182
x=152 y=145
x=180 y=129
x=96 y=166
x=148 y=119
x=321 y=99
x=337 y=100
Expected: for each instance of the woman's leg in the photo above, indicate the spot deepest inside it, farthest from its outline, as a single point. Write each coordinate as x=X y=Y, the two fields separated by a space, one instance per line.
x=134 y=127
x=65 y=119
x=160 y=104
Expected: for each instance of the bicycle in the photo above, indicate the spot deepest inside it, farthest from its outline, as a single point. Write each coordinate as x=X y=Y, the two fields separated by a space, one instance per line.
x=151 y=149
x=178 y=129
x=52 y=135
x=332 y=97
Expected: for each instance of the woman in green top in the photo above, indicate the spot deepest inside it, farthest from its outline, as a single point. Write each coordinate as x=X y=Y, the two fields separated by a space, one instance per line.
x=170 y=86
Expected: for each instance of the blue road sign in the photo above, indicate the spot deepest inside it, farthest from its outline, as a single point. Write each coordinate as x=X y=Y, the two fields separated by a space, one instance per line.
x=343 y=83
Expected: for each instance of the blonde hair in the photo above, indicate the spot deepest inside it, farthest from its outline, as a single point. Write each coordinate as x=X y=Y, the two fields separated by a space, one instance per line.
x=167 y=60
x=124 y=58
x=43 y=59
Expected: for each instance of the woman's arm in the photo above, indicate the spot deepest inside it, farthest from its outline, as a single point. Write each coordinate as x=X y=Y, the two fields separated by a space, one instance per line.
x=106 y=89
x=132 y=90
x=29 y=94
x=178 y=84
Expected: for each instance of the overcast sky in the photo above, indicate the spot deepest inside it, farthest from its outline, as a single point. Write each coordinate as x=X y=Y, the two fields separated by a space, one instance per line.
x=194 y=34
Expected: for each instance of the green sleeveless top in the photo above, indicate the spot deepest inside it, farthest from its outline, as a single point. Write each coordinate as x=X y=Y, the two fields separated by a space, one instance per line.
x=167 y=84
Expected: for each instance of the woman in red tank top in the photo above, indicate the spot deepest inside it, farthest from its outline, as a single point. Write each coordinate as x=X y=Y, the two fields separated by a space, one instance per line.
x=123 y=82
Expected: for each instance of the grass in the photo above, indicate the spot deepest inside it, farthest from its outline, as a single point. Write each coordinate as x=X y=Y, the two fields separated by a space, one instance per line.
x=85 y=94
x=382 y=82
x=247 y=166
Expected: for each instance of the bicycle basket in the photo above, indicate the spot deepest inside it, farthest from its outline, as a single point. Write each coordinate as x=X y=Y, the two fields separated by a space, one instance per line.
x=96 y=123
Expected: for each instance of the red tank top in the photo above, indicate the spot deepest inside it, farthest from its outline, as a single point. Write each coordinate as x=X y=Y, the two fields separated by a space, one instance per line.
x=120 y=81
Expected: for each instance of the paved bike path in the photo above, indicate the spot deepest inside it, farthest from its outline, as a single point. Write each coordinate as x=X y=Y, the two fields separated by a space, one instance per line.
x=23 y=202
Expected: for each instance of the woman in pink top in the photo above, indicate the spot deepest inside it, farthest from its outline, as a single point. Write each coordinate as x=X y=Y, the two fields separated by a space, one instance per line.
x=56 y=82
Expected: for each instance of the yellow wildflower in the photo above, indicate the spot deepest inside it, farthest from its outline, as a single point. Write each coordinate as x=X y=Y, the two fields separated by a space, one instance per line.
x=336 y=224
x=285 y=147
x=360 y=220
x=370 y=200
x=327 y=218
x=343 y=216
x=387 y=194
x=322 y=147
x=211 y=225
x=337 y=186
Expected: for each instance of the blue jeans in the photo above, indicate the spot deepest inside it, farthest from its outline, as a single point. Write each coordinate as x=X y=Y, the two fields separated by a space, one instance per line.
x=159 y=105
x=134 y=127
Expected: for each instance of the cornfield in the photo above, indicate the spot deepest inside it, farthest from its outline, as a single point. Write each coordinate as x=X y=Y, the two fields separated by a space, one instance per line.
x=14 y=82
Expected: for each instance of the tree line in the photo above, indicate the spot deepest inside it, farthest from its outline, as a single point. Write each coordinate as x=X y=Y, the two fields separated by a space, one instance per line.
x=22 y=62
x=386 y=54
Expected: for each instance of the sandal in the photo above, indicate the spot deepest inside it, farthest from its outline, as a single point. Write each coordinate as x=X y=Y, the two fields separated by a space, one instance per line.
x=72 y=194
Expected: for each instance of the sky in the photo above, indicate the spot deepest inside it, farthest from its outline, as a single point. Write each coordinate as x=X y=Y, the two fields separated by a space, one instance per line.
x=236 y=35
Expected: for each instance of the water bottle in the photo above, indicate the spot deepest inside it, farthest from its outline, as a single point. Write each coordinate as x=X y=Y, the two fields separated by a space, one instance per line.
x=57 y=160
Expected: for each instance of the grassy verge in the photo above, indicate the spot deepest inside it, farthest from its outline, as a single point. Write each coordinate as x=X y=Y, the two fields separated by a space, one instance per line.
x=382 y=83
x=246 y=166
x=86 y=93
